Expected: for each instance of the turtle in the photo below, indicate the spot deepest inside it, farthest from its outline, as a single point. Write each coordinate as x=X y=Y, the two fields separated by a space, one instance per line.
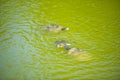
x=55 y=28
x=66 y=45
x=70 y=51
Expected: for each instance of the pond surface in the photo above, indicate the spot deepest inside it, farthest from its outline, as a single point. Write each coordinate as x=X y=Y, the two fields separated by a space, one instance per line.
x=29 y=53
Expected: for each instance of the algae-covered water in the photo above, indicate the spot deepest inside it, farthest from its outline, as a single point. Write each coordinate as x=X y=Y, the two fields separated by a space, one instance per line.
x=29 y=53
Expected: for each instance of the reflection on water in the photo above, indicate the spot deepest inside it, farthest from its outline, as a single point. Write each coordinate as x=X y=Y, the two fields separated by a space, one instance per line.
x=28 y=53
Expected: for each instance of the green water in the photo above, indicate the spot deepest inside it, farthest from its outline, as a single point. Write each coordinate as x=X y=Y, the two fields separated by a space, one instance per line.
x=29 y=53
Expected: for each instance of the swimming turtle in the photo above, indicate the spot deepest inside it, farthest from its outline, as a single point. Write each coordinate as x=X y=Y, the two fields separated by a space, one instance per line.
x=55 y=28
x=66 y=45
x=62 y=43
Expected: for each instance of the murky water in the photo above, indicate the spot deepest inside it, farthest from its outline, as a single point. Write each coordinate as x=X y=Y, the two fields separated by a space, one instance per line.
x=29 y=53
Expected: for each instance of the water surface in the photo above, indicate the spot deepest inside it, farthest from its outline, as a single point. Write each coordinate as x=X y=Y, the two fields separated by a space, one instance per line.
x=29 y=53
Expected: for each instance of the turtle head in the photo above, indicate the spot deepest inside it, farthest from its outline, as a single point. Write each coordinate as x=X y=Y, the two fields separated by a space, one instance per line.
x=65 y=29
x=62 y=43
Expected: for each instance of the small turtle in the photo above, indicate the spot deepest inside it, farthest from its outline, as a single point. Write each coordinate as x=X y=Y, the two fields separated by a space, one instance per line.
x=55 y=28
x=62 y=43
x=66 y=45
